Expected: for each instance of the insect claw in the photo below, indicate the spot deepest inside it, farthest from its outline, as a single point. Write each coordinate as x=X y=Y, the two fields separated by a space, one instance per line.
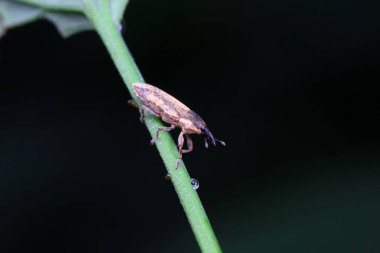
x=206 y=143
x=133 y=103
x=177 y=163
x=152 y=141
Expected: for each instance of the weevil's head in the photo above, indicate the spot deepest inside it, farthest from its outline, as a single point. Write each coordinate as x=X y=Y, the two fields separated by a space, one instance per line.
x=190 y=126
x=210 y=137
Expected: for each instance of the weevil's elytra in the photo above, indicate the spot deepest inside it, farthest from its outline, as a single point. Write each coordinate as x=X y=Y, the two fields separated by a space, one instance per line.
x=160 y=104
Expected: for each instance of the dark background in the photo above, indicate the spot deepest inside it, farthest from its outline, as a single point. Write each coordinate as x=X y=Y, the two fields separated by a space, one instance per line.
x=291 y=86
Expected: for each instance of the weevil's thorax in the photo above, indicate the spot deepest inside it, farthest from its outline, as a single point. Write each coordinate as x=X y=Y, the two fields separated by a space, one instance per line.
x=190 y=127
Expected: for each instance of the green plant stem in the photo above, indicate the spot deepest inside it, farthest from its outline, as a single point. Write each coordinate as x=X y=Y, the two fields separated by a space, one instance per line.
x=99 y=15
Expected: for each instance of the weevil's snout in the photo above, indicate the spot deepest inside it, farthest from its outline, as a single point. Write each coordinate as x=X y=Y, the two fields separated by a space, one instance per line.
x=211 y=138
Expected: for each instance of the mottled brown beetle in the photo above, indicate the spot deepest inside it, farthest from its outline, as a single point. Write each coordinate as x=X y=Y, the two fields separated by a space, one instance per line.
x=162 y=105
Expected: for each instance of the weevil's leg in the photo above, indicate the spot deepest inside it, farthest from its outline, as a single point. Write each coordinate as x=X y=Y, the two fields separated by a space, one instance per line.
x=181 y=151
x=180 y=145
x=167 y=129
x=189 y=142
x=133 y=103
x=142 y=114
x=143 y=109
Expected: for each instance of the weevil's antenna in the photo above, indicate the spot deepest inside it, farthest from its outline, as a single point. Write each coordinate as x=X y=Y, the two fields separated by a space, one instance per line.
x=221 y=142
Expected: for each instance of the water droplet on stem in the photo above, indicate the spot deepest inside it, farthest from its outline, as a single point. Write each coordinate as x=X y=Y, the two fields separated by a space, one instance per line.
x=194 y=183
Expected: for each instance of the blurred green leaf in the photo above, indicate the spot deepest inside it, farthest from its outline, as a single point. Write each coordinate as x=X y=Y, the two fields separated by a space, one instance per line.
x=66 y=15
x=68 y=23
x=56 y=5
x=14 y=14
x=117 y=8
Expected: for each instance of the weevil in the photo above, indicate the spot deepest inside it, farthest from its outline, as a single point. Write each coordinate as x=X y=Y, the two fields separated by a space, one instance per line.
x=162 y=105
